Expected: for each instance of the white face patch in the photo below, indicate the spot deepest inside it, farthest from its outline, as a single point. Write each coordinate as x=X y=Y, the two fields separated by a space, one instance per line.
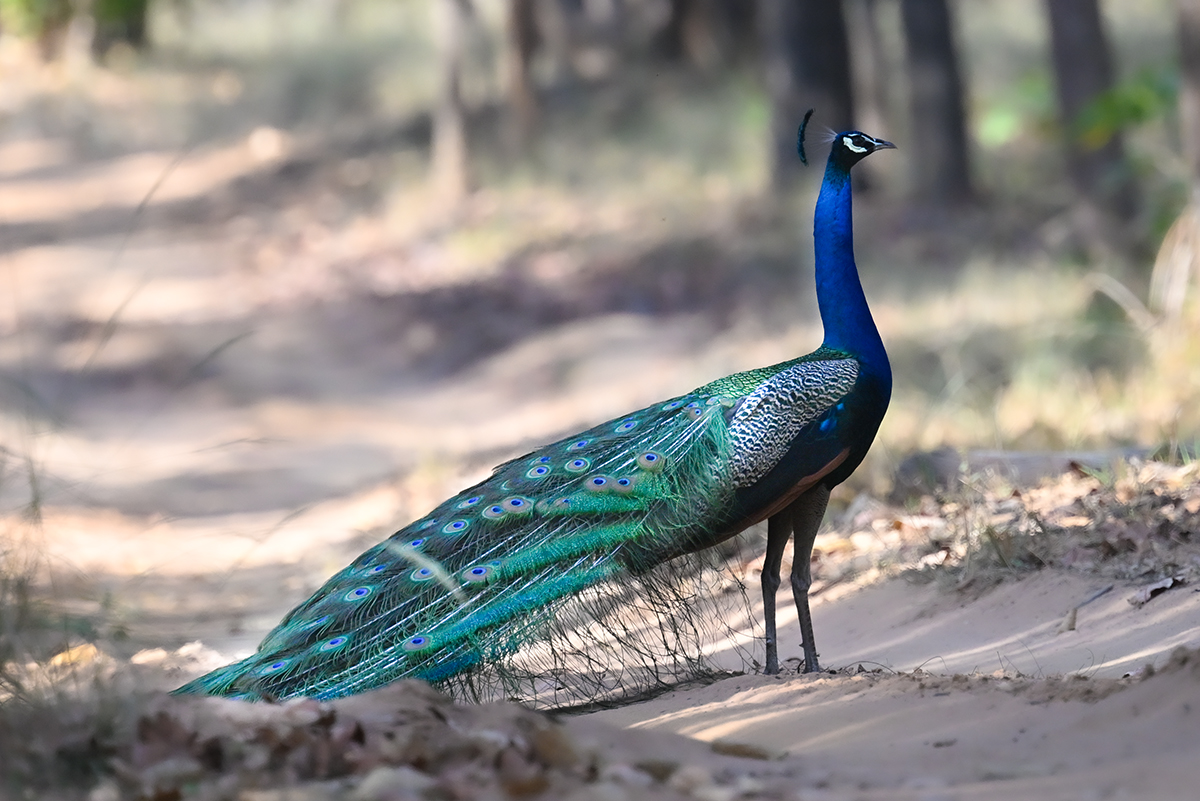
x=849 y=143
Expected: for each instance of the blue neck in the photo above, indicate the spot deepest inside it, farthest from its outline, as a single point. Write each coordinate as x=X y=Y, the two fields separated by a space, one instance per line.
x=849 y=326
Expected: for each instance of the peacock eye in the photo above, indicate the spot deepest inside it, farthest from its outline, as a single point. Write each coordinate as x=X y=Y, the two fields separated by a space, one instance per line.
x=336 y=642
x=421 y=574
x=274 y=667
x=578 y=465
x=469 y=502
x=627 y=426
x=624 y=484
x=675 y=404
x=650 y=461
x=416 y=643
x=538 y=472
x=416 y=543
x=476 y=574
x=357 y=594
x=455 y=527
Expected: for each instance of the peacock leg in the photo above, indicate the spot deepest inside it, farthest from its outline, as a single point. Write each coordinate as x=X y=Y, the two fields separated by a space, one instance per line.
x=779 y=528
x=806 y=513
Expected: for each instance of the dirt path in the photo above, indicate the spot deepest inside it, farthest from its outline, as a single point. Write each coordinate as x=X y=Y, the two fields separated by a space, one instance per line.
x=1013 y=728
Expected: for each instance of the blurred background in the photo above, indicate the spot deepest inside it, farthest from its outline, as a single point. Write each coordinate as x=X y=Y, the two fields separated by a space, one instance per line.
x=279 y=275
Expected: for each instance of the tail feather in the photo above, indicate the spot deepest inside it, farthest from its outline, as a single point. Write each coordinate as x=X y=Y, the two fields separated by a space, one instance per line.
x=485 y=573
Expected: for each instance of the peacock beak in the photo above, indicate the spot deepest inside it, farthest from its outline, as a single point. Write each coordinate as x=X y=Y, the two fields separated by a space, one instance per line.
x=883 y=144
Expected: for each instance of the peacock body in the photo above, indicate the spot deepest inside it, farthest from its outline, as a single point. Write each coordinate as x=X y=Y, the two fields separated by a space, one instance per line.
x=575 y=536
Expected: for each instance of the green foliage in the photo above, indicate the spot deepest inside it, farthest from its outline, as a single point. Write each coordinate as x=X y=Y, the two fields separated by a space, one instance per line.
x=34 y=18
x=126 y=11
x=1144 y=97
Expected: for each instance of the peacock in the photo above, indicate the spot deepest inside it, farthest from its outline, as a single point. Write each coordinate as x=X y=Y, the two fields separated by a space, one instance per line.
x=568 y=542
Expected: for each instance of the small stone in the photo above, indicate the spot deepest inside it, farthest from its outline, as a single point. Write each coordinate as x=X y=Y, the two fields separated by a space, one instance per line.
x=602 y=791
x=385 y=784
x=625 y=774
x=519 y=776
x=714 y=792
x=105 y=791
x=660 y=769
x=554 y=747
x=313 y=791
x=689 y=778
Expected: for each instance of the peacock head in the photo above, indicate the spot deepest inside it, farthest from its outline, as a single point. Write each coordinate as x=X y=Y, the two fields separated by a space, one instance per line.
x=851 y=147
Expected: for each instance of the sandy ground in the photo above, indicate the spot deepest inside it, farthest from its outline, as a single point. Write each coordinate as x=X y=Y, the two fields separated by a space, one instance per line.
x=210 y=441
x=979 y=711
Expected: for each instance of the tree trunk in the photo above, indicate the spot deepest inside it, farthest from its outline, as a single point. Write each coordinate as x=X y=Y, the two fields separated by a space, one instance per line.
x=938 y=133
x=1189 y=86
x=1083 y=72
x=521 y=28
x=807 y=60
x=449 y=155
x=870 y=69
x=118 y=21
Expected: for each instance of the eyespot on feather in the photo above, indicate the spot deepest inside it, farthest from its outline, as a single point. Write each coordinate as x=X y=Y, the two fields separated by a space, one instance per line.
x=539 y=471
x=517 y=505
x=456 y=526
x=469 y=502
x=675 y=404
x=577 y=465
x=554 y=505
x=599 y=483
x=357 y=594
x=494 y=512
x=335 y=643
x=417 y=643
x=476 y=574
x=274 y=667
x=625 y=484
x=579 y=443
x=421 y=574
x=651 y=460
x=626 y=426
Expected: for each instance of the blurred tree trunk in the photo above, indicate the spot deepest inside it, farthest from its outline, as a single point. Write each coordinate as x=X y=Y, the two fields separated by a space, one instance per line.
x=1083 y=72
x=449 y=157
x=1177 y=266
x=938 y=132
x=521 y=29
x=707 y=33
x=807 y=61
x=1189 y=86
x=118 y=21
x=870 y=69
x=42 y=21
